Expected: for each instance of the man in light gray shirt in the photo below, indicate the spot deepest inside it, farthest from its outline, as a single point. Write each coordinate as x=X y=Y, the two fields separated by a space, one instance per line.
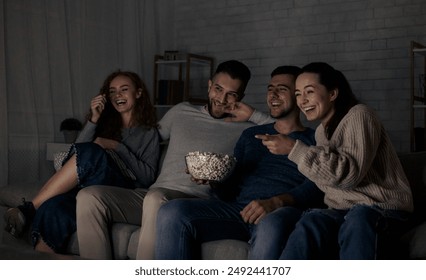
x=187 y=128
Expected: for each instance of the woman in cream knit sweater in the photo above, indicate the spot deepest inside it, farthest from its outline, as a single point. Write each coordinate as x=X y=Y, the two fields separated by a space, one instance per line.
x=354 y=164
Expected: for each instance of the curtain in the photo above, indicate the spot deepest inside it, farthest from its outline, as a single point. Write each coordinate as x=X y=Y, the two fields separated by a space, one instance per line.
x=3 y=104
x=54 y=56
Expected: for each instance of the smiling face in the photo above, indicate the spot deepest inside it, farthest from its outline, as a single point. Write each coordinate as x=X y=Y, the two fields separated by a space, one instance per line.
x=223 y=93
x=280 y=98
x=313 y=98
x=123 y=94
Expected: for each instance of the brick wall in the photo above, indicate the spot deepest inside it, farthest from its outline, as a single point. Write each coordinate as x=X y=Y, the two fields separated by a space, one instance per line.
x=368 y=40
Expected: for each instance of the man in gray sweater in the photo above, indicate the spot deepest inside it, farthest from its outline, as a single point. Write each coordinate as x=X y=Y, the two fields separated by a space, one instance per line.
x=187 y=128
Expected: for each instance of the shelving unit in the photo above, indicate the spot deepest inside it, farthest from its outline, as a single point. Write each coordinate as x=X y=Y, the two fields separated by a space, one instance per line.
x=418 y=96
x=181 y=79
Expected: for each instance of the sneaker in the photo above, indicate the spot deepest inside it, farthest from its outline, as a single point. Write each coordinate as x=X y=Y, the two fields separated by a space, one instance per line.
x=18 y=218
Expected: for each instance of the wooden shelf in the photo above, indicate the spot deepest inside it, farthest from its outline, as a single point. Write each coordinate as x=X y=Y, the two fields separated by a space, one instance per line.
x=417 y=93
x=421 y=51
x=175 y=90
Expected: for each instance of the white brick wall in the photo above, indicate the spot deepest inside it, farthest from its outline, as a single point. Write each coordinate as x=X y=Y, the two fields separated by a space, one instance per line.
x=368 y=40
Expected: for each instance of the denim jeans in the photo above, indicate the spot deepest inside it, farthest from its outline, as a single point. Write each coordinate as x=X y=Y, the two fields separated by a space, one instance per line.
x=96 y=167
x=343 y=234
x=55 y=219
x=271 y=234
x=183 y=224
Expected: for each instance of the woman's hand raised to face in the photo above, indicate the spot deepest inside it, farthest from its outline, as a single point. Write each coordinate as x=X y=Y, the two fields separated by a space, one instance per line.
x=97 y=105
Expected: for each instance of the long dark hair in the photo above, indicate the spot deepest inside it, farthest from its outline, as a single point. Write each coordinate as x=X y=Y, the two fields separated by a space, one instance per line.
x=334 y=79
x=109 y=124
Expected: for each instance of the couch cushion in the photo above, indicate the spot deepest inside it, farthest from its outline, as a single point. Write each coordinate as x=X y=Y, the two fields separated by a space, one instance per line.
x=122 y=235
x=73 y=245
x=226 y=249
x=132 y=248
x=416 y=242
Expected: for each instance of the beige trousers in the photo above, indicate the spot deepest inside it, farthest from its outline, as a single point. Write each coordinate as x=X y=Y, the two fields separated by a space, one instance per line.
x=152 y=203
x=98 y=207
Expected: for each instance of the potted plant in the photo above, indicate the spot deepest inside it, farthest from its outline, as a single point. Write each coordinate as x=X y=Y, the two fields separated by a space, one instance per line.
x=71 y=127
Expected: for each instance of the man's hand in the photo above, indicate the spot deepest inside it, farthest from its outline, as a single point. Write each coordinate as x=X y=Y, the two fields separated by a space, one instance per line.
x=239 y=112
x=277 y=144
x=197 y=181
x=257 y=209
x=200 y=181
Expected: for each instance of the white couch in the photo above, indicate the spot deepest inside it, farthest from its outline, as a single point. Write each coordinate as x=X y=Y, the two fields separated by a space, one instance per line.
x=125 y=236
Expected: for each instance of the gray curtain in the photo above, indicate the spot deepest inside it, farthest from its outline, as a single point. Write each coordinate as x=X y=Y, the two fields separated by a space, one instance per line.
x=3 y=104
x=54 y=56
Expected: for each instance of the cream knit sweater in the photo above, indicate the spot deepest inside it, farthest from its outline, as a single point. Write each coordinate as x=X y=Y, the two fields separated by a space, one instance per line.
x=358 y=165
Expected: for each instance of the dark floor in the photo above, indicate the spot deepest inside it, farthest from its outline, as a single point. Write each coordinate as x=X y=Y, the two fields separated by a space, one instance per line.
x=18 y=253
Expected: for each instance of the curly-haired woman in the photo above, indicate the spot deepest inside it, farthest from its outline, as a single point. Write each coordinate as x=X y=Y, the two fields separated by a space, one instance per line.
x=118 y=146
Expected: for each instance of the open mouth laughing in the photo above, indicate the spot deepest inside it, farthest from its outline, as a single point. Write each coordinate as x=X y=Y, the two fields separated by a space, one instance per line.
x=120 y=102
x=308 y=109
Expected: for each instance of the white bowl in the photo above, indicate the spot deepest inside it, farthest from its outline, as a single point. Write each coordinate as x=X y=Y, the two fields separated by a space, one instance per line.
x=209 y=166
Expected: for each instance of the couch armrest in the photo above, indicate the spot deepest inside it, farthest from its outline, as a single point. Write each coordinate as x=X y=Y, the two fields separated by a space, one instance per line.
x=11 y=195
x=414 y=165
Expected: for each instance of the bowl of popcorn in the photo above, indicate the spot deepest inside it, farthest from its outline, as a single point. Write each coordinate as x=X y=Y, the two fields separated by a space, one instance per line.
x=209 y=166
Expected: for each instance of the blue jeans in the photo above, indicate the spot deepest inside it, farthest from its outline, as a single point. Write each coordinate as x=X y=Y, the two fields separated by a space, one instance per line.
x=183 y=224
x=352 y=234
x=271 y=234
x=96 y=167
x=55 y=219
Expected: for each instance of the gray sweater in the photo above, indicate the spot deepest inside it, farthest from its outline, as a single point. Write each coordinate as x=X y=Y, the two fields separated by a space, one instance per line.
x=191 y=128
x=139 y=149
